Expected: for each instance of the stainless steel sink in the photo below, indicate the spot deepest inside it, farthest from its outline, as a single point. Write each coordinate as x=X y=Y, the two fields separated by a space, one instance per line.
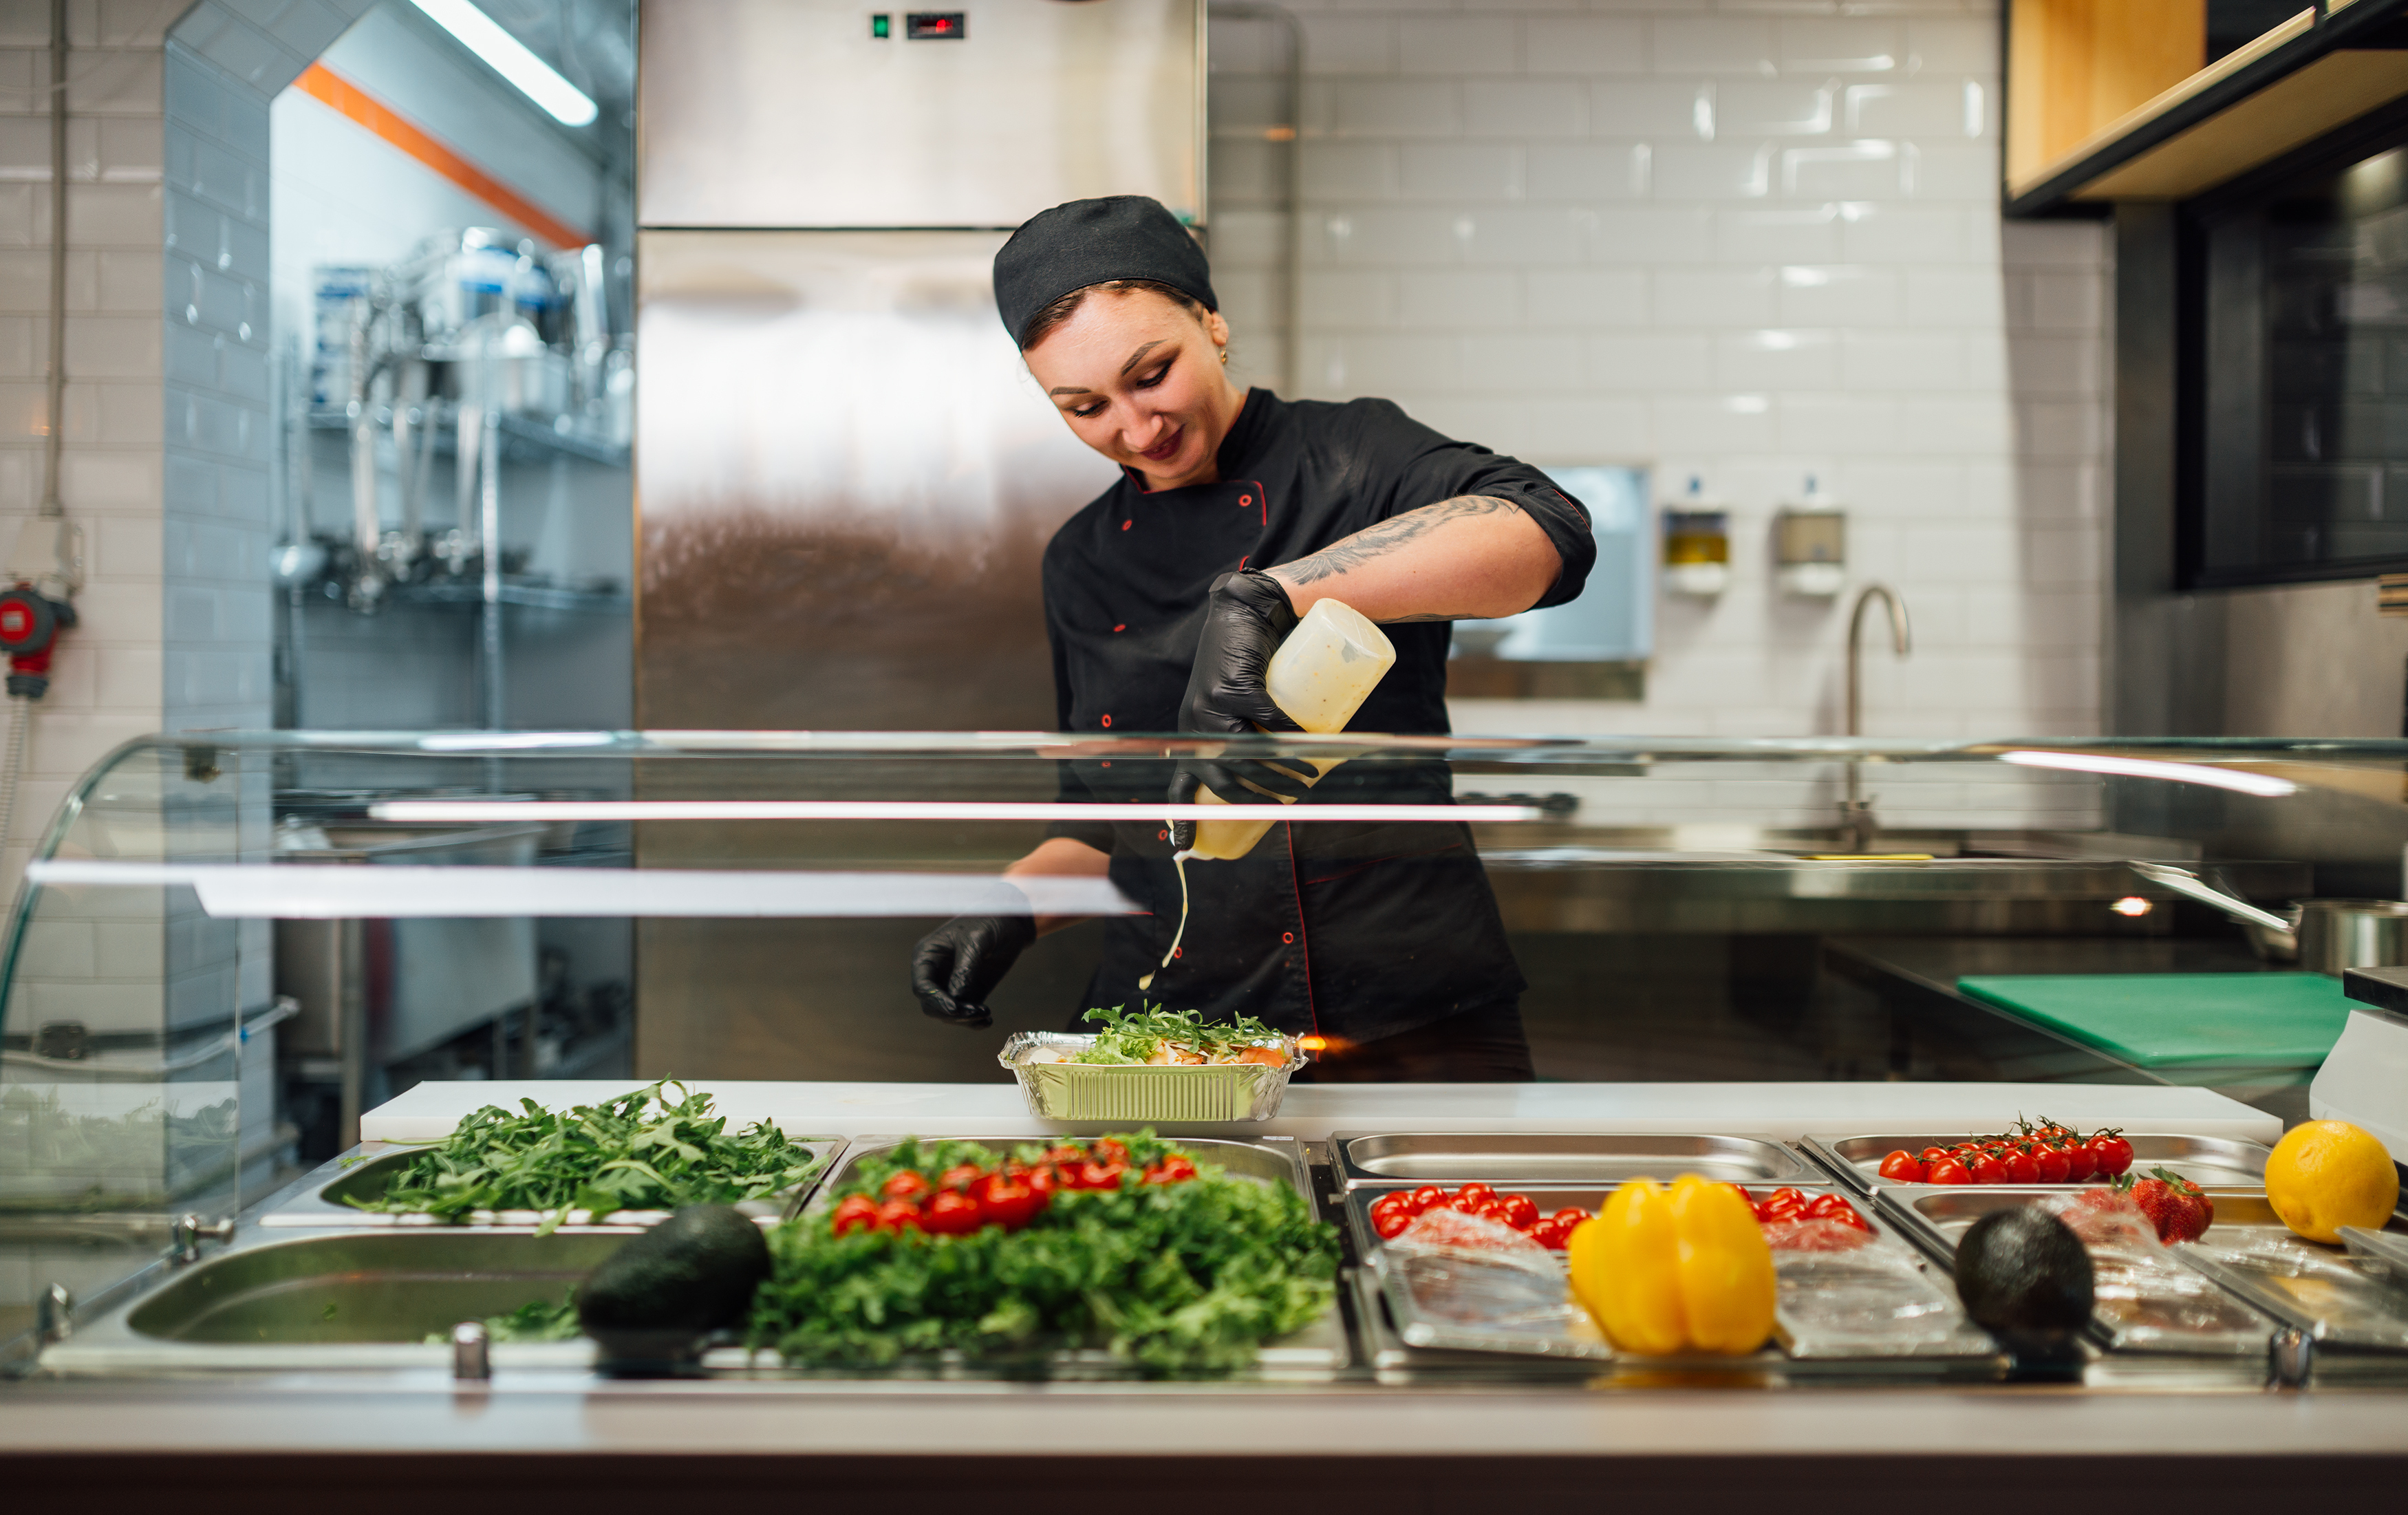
x=349 y=1299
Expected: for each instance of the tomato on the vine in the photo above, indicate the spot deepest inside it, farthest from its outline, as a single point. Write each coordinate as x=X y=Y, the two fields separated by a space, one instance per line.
x=2114 y=1153
x=1008 y=1201
x=950 y=1213
x=1948 y=1170
x=1901 y=1167
x=1988 y=1169
x=898 y=1215
x=2052 y=1164
x=906 y=1185
x=2021 y=1168
x=855 y=1212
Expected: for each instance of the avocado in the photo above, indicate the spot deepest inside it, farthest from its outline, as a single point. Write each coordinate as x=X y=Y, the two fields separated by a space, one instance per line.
x=692 y=1273
x=2024 y=1271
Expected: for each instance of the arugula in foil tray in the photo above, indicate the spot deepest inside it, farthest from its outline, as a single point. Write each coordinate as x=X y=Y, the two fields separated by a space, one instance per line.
x=641 y=1151
x=1139 y=1037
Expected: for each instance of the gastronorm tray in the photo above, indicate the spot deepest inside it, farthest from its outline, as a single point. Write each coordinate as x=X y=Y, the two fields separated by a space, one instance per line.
x=1935 y=1219
x=2342 y=1296
x=1524 y=1158
x=1271 y=1160
x=1568 y=1335
x=1144 y=1093
x=2209 y=1162
x=366 y=1169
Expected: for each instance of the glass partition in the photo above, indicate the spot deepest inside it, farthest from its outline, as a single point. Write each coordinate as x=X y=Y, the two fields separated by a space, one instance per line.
x=215 y=922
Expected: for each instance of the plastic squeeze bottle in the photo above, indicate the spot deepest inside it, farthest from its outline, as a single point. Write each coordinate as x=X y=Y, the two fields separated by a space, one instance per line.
x=1320 y=675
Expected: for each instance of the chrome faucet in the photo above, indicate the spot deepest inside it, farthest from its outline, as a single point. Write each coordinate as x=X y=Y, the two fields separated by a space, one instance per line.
x=1856 y=823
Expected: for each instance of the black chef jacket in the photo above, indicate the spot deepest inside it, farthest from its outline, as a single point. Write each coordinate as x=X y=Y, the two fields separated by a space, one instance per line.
x=1351 y=931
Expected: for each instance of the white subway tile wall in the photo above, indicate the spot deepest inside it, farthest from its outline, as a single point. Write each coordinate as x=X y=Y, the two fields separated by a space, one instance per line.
x=1743 y=241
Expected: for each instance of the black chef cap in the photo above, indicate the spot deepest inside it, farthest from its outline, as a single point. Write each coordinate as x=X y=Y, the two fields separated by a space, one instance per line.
x=1093 y=242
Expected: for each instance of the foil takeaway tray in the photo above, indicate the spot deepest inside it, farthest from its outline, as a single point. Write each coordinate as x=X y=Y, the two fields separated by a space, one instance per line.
x=1564 y=1158
x=1935 y=1218
x=363 y=1172
x=1408 y=1329
x=1143 y=1094
x=2209 y=1162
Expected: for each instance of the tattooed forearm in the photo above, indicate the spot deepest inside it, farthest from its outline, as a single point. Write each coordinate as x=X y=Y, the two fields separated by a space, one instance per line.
x=1386 y=538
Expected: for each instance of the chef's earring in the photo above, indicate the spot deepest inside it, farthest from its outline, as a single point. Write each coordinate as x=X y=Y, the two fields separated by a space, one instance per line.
x=1224 y=357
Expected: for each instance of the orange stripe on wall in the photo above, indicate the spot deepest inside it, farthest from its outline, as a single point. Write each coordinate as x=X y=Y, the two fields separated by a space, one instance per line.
x=322 y=84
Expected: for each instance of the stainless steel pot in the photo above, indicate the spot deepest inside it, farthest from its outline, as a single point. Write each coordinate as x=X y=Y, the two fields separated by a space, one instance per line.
x=2337 y=933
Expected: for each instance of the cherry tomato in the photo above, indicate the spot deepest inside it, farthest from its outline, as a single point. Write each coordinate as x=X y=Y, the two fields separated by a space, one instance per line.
x=1065 y=1153
x=1552 y=1234
x=950 y=1213
x=1390 y=1215
x=1429 y=1196
x=2114 y=1153
x=1988 y=1169
x=2080 y=1163
x=1848 y=1218
x=1008 y=1201
x=1948 y=1170
x=2021 y=1168
x=855 y=1212
x=1933 y=1154
x=1781 y=1209
x=1796 y=1196
x=1899 y=1167
x=1109 y=1150
x=1519 y=1212
x=2052 y=1164
x=1475 y=1191
x=906 y=1185
x=1044 y=1181
x=1570 y=1215
x=960 y=1176
x=1464 y=1207
x=1824 y=1206
x=898 y=1215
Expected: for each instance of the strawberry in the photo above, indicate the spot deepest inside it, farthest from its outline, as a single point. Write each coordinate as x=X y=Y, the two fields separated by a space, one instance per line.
x=2174 y=1205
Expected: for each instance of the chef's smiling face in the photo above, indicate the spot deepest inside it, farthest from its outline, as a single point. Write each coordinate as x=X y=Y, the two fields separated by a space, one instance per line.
x=1139 y=380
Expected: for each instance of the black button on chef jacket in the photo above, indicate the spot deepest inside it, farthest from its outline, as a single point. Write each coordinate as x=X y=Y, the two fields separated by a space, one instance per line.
x=1349 y=931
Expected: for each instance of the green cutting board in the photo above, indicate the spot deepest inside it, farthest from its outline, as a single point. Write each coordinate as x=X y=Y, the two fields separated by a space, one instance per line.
x=2161 y=1020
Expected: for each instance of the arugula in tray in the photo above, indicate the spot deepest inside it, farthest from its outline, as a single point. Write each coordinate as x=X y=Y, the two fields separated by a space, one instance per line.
x=641 y=1151
x=1155 y=1035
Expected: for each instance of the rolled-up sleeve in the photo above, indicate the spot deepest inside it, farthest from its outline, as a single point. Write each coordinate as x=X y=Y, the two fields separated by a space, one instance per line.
x=1429 y=468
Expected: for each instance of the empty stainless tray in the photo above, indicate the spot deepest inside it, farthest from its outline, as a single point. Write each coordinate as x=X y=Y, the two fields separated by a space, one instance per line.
x=1563 y=1158
x=360 y=1299
x=2210 y=1162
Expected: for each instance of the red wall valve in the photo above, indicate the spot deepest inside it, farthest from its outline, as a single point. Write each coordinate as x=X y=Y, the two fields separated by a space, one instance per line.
x=30 y=623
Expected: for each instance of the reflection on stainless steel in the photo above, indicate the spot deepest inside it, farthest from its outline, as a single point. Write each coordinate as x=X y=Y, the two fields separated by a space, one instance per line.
x=1583 y=1158
x=2184 y=882
x=791 y=113
x=2218 y=1162
x=1856 y=823
x=848 y=479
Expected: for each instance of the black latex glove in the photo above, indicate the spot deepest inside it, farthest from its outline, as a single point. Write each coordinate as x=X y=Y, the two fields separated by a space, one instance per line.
x=1246 y=617
x=955 y=967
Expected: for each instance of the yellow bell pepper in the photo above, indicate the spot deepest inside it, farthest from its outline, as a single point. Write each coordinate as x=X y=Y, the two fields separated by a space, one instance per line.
x=1666 y=1271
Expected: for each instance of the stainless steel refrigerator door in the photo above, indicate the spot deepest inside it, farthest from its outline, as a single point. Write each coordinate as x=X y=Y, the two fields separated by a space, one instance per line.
x=791 y=113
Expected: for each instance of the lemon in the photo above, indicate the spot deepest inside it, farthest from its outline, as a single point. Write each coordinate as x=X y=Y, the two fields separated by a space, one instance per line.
x=2329 y=1174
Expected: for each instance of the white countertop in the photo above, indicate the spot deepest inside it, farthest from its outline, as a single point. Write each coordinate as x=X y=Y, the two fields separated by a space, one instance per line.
x=429 y=1111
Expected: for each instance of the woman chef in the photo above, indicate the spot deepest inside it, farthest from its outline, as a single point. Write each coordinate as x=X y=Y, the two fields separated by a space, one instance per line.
x=1236 y=510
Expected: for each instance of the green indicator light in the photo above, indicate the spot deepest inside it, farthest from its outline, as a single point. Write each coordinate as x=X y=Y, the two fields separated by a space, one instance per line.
x=882 y=27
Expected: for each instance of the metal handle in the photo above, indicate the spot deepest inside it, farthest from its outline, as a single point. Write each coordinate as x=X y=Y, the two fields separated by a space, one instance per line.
x=2184 y=882
x=54 y=1314
x=186 y=1232
x=472 y=1360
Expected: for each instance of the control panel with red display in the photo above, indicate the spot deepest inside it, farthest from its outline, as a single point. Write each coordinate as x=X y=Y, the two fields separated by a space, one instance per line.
x=936 y=25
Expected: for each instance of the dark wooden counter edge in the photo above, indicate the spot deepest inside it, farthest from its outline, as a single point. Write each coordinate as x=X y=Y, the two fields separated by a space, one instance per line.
x=1050 y=1483
x=194 y=1446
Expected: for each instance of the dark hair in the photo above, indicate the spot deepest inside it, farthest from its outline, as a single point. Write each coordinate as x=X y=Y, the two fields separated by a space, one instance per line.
x=1042 y=324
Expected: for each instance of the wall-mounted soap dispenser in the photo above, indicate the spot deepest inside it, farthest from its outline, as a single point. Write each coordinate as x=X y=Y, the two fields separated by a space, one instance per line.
x=1696 y=543
x=1810 y=545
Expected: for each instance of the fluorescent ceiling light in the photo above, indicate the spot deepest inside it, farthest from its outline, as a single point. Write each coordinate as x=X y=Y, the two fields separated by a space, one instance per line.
x=2238 y=780
x=509 y=57
x=474 y=811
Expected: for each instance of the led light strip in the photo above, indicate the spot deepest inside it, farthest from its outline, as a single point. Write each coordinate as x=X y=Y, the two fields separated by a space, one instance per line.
x=2239 y=781
x=483 y=810
x=345 y=891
